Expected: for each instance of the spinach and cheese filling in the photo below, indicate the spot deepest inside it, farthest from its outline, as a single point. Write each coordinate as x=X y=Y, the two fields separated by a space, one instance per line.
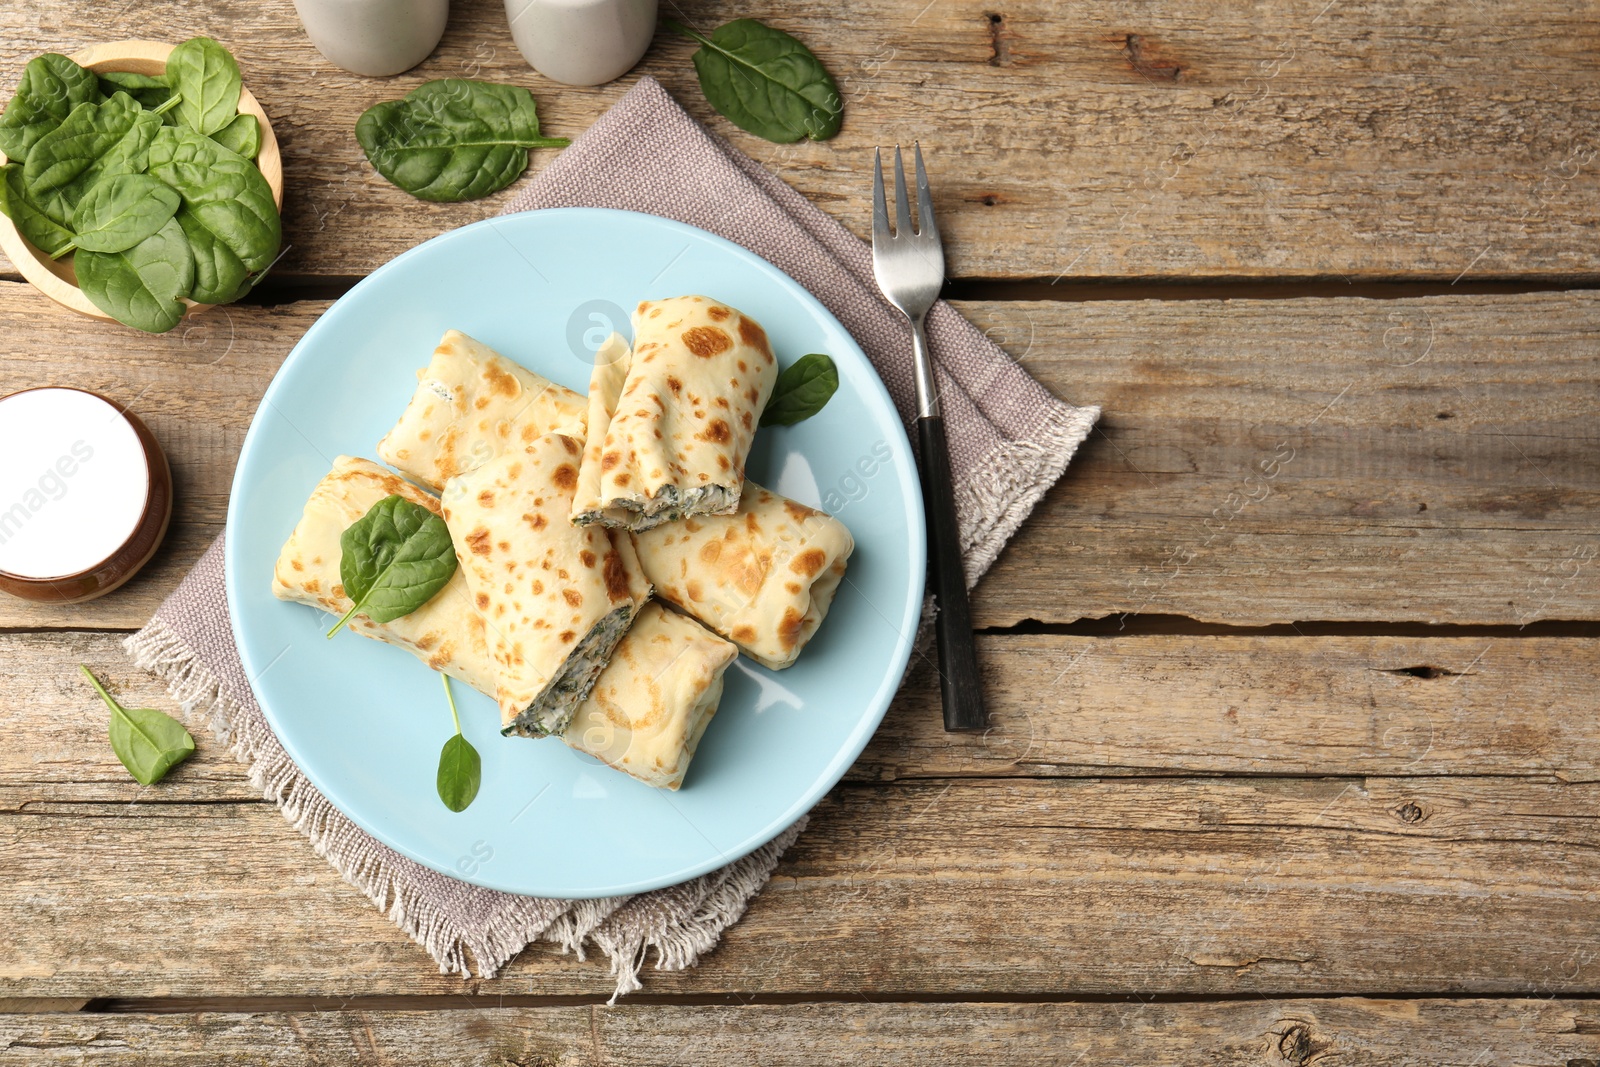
x=554 y=598
x=671 y=418
x=650 y=706
x=553 y=709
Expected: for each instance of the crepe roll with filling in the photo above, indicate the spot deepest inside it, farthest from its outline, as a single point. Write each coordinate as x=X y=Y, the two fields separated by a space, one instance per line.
x=763 y=577
x=556 y=598
x=446 y=633
x=471 y=404
x=653 y=701
x=674 y=416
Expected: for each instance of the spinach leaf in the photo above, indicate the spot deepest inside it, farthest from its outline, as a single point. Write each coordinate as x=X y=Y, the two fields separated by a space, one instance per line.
x=87 y=132
x=218 y=274
x=43 y=232
x=144 y=286
x=147 y=90
x=222 y=191
x=148 y=742
x=764 y=81
x=130 y=155
x=242 y=135
x=123 y=210
x=460 y=768
x=206 y=78
x=801 y=390
x=453 y=139
x=51 y=86
x=394 y=559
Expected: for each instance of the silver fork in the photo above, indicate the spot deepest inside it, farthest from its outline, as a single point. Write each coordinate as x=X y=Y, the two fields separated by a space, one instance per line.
x=909 y=265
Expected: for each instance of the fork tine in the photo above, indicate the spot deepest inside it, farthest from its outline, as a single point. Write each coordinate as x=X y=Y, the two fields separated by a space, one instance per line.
x=880 y=213
x=926 y=227
x=902 y=202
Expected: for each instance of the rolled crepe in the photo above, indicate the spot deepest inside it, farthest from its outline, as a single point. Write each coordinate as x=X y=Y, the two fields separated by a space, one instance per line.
x=556 y=597
x=446 y=633
x=763 y=577
x=650 y=705
x=675 y=416
x=472 y=404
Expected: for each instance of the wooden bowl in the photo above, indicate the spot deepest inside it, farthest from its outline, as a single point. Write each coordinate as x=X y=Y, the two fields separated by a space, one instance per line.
x=55 y=278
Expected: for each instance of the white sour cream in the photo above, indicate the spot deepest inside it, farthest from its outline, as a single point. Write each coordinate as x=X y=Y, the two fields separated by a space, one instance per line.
x=74 y=479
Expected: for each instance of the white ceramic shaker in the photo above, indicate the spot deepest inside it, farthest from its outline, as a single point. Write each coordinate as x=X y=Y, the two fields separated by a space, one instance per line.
x=582 y=42
x=374 y=37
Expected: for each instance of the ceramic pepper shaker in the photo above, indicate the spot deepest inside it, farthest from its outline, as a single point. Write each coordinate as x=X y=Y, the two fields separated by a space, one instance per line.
x=374 y=37
x=582 y=42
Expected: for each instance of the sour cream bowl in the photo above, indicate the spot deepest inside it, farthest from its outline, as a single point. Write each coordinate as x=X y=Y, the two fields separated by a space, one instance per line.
x=85 y=495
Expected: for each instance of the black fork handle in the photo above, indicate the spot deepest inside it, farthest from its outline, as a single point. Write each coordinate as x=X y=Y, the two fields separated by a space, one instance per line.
x=960 y=686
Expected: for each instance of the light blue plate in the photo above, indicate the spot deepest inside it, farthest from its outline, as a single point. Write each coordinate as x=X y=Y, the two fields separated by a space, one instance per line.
x=366 y=721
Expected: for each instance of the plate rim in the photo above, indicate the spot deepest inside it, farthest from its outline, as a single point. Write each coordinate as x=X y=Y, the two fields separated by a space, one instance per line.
x=855 y=742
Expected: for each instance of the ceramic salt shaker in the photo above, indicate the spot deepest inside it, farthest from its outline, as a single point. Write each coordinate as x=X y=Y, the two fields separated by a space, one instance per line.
x=85 y=495
x=374 y=37
x=582 y=42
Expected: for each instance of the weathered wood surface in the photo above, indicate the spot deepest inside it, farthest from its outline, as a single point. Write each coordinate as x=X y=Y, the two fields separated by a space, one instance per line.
x=1271 y=886
x=1358 y=140
x=1300 y=1033
x=1262 y=461
x=1059 y=707
x=1405 y=877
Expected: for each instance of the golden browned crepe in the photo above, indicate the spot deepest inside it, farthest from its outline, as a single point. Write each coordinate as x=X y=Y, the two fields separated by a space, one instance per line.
x=447 y=632
x=762 y=577
x=471 y=404
x=675 y=416
x=556 y=598
x=650 y=705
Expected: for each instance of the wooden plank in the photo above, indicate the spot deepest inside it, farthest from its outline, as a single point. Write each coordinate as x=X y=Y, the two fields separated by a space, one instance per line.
x=973 y=887
x=1069 y=140
x=1375 y=1033
x=1427 y=460
x=1258 y=462
x=1059 y=706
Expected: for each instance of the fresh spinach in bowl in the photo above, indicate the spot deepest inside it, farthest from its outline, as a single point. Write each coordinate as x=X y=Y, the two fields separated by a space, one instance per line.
x=147 y=179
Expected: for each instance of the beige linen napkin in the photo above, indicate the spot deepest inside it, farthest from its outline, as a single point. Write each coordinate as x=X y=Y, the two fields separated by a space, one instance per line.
x=1009 y=438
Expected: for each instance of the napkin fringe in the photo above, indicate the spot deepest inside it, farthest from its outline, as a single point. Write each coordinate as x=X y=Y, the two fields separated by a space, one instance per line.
x=678 y=944
x=1010 y=480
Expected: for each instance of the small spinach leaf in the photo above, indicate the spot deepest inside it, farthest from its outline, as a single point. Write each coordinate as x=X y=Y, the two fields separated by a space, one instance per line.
x=130 y=155
x=222 y=191
x=242 y=135
x=148 y=742
x=143 y=286
x=765 y=81
x=123 y=210
x=801 y=390
x=460 y=767
x=453 y=139
x=206 y=78
x=43 y=232
x=394 y=559
x=147 y=90
x=51 y=86
x=86 y=134
x=218 y=274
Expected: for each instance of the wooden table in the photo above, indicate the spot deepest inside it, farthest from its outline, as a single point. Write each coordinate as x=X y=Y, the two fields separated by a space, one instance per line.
x=1295 y=756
